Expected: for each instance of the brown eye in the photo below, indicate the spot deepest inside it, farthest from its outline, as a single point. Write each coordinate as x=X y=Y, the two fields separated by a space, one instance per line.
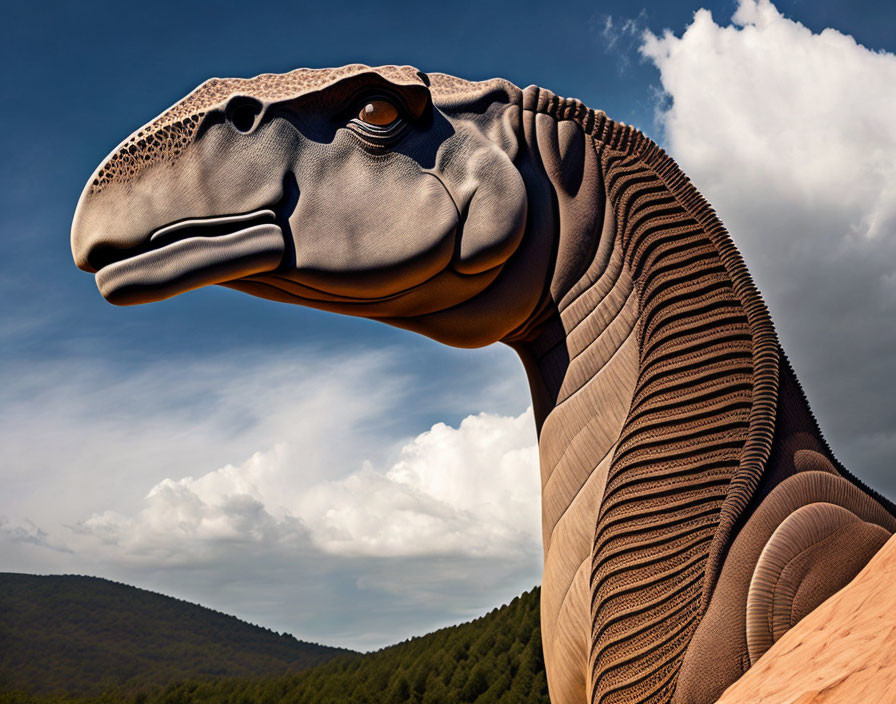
x=379 y=113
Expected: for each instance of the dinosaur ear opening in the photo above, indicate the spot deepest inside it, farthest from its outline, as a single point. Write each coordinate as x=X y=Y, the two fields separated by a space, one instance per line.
x=242 y=112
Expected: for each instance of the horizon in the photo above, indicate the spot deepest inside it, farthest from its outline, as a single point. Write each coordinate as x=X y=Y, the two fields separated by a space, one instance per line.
x=274 y=630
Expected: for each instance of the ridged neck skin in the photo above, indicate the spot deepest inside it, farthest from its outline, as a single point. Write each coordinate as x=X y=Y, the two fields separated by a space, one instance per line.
x=598 y=352
x=582 y=365
x=674 y=442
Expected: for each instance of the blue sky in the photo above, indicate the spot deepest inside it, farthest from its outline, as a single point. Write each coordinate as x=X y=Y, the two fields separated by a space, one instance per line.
x=102 y=405
x=80 y=77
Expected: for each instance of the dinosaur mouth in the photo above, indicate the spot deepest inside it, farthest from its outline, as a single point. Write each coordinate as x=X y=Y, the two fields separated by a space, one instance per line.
x=193 y=253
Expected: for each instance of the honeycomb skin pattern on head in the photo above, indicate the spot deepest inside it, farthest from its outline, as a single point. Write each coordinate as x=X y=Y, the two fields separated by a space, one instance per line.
x=161 y=140
x=166 y=137
x=446 y=87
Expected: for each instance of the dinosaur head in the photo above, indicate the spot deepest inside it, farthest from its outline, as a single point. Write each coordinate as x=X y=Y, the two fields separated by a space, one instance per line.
x=382 y=192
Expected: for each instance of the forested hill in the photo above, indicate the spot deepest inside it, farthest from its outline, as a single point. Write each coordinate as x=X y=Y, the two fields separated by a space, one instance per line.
x=496 y=659
x=87 y=635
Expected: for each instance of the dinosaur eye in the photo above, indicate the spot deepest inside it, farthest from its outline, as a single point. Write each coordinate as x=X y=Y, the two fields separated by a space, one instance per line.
x=379 y=113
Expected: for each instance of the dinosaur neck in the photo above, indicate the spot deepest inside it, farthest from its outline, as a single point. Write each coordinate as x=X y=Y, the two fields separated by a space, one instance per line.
x=582 y=366
x=654 y=369
x=680 y=462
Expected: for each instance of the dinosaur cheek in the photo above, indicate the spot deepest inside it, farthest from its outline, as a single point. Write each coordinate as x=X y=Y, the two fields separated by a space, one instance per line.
x=495 y=217
x=373 y=237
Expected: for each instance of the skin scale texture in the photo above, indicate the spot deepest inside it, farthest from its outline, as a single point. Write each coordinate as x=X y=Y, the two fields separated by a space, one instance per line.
x=692 y=512
x=849 y=640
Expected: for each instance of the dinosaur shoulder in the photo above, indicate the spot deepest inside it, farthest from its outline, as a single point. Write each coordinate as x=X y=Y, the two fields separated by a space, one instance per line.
x=843 y=651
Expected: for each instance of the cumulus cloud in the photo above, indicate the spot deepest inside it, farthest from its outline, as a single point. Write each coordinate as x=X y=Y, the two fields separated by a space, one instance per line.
x=466 y=491
x=790 y=135
x=297 y=490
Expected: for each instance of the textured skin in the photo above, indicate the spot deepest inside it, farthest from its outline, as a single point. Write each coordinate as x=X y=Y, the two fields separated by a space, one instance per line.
x=165 y=138
x=849 y=641
x=692 y=512
x=680 y=446
x=783 y=589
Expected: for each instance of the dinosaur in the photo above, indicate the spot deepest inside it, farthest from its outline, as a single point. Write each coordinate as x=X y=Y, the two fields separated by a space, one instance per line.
x=692 y=510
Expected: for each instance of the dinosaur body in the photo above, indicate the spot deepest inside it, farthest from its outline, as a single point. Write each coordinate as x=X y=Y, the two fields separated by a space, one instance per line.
x=692 y=512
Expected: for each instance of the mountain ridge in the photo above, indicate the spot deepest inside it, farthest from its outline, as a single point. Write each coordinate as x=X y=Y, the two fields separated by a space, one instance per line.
x=494 y=659
x=87 y=634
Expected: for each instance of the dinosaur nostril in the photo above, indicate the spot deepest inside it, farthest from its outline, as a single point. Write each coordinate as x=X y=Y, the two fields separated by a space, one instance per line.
x=242 y=113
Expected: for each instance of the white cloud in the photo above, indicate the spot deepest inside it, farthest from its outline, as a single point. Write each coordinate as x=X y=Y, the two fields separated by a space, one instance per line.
x=790 y=135
x=619 y=36
x=805 y=116
x=468 y=490
x=471 y=490
x=81 y=437
x=294 y=490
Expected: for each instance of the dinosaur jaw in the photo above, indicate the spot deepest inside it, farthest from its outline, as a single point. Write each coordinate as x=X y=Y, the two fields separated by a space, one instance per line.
x=194 y=253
